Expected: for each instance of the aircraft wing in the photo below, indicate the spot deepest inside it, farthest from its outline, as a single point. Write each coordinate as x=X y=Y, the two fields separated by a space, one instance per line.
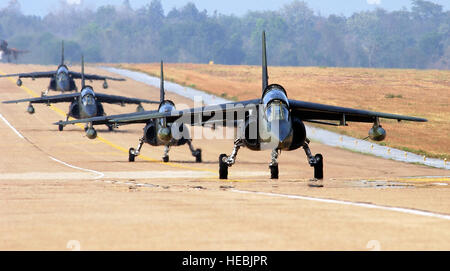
x=94 y=76
x=215 y=114
x=227 y=114
x=48 y=99
x=114 y=99
x=32 y=75
x=313 y=111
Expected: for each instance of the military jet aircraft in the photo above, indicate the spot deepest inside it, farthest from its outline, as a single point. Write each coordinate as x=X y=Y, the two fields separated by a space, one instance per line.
x=8 y=52
x=270 y=122
x=157 y=131
x=84 y=104
x=62 y=79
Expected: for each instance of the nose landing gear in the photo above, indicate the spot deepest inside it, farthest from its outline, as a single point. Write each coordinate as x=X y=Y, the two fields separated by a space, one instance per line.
x=274 y=165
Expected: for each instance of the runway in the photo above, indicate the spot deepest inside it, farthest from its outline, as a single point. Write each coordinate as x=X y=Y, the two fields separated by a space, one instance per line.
x=56 y=187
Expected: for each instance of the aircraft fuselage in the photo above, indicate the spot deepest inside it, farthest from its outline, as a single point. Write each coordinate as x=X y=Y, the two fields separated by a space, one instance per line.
x=273 y=127
x=159 y=132
x=62 y=81
x=86 y=106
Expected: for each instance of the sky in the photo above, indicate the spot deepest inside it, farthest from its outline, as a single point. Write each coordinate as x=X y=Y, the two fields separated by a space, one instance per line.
x=236 y=7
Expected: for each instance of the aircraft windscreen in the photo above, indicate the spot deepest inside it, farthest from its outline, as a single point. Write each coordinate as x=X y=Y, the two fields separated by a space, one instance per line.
x=62 y=69
x=88 y=96
x=277 y=110
x=275 y=92
x=166 y=107
x=88 y=100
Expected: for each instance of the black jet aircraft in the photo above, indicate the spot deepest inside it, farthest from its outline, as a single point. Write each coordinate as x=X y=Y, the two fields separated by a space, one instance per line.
x=157 y=131
x=84 y=104
x=10 y=52
x=62 y=79
x=270 y=122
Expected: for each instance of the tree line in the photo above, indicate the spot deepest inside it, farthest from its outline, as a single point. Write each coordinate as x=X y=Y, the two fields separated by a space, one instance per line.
x=297 y=36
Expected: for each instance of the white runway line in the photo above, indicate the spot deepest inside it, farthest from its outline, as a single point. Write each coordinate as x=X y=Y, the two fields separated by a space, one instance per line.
x=100 y=174
x=12 y=127
x=342 y=202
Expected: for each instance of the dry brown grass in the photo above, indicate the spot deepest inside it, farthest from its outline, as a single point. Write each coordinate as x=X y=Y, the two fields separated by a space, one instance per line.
x=421 y=93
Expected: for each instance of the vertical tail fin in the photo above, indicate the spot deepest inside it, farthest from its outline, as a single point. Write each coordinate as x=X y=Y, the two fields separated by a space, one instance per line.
x=82 y=72
x=265 y=76
x=62 y=53
x=161 y=88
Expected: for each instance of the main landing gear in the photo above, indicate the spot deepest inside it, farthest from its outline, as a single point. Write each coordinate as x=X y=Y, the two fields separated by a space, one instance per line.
x=314 y=161
x=132 y=153
x=61 y=126
x=197 y=153
x=44 y=93
x=227 y=161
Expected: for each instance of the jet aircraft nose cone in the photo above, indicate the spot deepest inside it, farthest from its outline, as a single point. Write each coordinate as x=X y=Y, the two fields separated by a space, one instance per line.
x=64 y=85
x=280 y=130
x=164 y=134
x=91 y=111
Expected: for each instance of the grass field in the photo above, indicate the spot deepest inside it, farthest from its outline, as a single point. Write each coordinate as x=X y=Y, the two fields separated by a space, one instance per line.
x=421 y=93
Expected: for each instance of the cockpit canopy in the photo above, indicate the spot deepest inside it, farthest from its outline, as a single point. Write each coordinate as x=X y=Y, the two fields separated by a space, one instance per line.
x=87 y=96
x=276 y=103
x=277 y=111
x=275 y=92
x=166 y=107
x=63 y=69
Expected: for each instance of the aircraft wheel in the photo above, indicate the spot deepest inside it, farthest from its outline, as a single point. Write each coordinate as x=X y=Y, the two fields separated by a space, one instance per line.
x=223 y=167
x=131 y=155
x=274 y=172
x=166 y=159
x=60 y=127
x=110 y=128
x=198 y=155
x=318 y=167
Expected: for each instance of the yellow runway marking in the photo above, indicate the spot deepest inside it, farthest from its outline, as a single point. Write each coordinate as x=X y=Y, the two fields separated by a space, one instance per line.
x=426 y=180
x=120 y=148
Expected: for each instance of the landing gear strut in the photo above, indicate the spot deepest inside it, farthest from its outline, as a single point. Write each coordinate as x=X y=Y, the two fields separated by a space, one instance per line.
x=315 y=161
x=132 y=153
x=61 y=126
x=227 y=161
x=197 y=153
x=44 y=93
x=274 y=164
x=166 y=153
